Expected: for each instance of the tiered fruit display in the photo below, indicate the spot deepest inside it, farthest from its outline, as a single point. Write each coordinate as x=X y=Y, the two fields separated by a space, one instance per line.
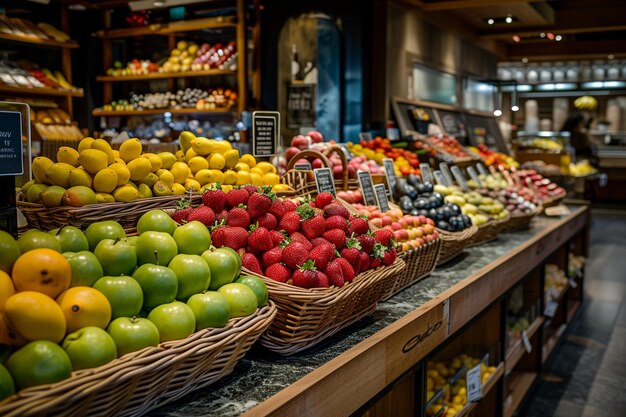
x=449 y=145
x=405 y=162
x=306 y=244
x=189 y=98
x=555 y=279
x=581 y=169
x=517 y=200
x=544 y=144
x=439 y=377
x=30 y=75
x=72 y=300
x=490 y=157
x=134 y=67
x=422 y=199
x=543 y=187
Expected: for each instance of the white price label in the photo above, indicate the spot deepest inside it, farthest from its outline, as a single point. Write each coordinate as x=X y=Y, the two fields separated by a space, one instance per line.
x=426 y=175
x=526 y=342
x=473 y=175
x=474 y=384
x=460 y=179
x=572 y=283
x=445 y=170
x=550 y=309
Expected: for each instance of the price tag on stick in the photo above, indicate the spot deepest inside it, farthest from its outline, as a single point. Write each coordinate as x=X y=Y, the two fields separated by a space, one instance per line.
x=265 y=132
x=390 y=172
x=324 y=181
x=439 y=179
x=481 y=169
x=550 y=309
x=473 y=175
x=460 y=179
x=526 y=342
x=381 y=197
x=367 y=187
x=474 y=384
x=447 y=175
x=426 y=174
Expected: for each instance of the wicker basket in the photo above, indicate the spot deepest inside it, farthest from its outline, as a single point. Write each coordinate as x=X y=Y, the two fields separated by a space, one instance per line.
x=144 y=380
x=553 y=201
x=521 y=221
x=453 y=243
x=307 y=316
x=488 y=231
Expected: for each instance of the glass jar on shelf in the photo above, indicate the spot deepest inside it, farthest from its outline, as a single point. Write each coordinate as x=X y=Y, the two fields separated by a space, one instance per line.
x=585 y=71
x=571 y=71
x=612 y=70
x=532 y=74
x=545 y=73
x=558 y=72
x=599 y=70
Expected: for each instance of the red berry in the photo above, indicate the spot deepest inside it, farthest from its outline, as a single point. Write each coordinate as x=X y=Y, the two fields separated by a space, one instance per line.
x=294 y=255
x=322 y=255
x=215 y=199
x=290 y=222
x=259 y=239
x=337 y=237
x=336 y=209
x=267 y=220
x=323 y=199
x=203 y=214
x=238 y=217
x=236 y=197
x=251 y=262
x=336 y=222
x=272 y=256
x=278 y=272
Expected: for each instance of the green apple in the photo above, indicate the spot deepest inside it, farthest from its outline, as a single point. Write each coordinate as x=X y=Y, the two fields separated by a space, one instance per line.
x=9 y=252
x=39 y=362
x=159 y=284
x=242 y=299
x=86 y=268
x=155 y=247
x=34 y=239
x=231 y=250
x=70 y=238
x=192 y=238
x=124 y=295
x=132 y=334
x=224 y=266
x=257 y=285
x=89 y=347
x=131 y=240
x=156 y=221
x=107 y=229
x=174 y=320
x=193 y=273
x=7 y=386
x=116 y=257
x=211 y=309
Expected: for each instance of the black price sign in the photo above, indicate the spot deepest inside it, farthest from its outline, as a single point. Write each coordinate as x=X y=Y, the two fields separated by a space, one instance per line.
x=301 y=105
x=426 y=175
x=381 y=197
x=390 y=172
x=265 y=131
x=481 y=169
x=439 y=177
x=324 y=181
x=460 y=179
x=11 y=162
x=367 y=187
x=473 y=175
x=445 y=170
x=302 y=167
x=365 y=136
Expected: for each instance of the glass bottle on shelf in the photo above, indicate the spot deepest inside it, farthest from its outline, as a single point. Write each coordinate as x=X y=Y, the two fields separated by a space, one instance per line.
x=612 y=70
x=545 y=73
x=532 y=75
x=558 y=72
x=519 y=73
x=598 y=70
x=571 y=71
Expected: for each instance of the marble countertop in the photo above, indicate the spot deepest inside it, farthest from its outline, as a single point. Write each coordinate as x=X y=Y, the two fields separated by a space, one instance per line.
x=261 y=374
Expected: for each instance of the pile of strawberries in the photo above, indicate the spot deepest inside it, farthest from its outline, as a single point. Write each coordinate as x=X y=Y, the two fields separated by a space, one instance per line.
x=310 y=245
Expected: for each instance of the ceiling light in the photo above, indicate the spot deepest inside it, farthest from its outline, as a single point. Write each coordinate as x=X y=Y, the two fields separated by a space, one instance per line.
x=542 y=35
x=558 y=38
x=611 y=56
x=514 y=108
x=497 y=113
x=550 y=35
x=490 y=21
x=516 y=38
x=158 y=4
x=508 y=19
x=525 y=60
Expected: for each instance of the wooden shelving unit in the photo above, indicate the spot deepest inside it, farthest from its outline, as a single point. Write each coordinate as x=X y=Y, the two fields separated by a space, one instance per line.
x=38 y=41
x=164 y=75
x=167 y=29
x=47 y=92
x=518 y=384
x=515 y=352
x=152 y=112
x=487 y=387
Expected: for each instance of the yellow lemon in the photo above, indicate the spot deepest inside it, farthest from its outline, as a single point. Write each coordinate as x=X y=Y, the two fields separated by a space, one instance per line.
x=6 y=288
x=230 y=177
x=202 y=146
x=68 y=155
x=167 y=159
x=40 y=166
x=180 y=171
x=192 y=184
x=123 y=174
x=126 y=193
x=190 y=154
x=149 y=179
x=197 y=163
x=139 y=168
x=271 y=179
x=217 y=161
x=178 y=189
x=105 y=181
x=155 y=161
x=256 y=179
x=103 y=145
x=231 y=158
x=257 y=171
x=218 y=176
x=78 y=176
x=32 y=316
x=85 y=144
x=266 y=167
x=93 y=160
x=84 y=306
x=105 y=198
x=144 y=191
x=160 y=189
x=248 y=159
x=167 y=178
x=280 y=187
x=180 y=156
x=204 y=176
x=130 y=149
x=59 y=174
x=116 y=153
x=120 y=161
x=243 y=178
x=222 y=146
x=185 y=139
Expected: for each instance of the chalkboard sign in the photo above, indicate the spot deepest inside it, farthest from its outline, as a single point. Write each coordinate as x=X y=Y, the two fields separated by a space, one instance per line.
x=367 y=187
x=439 y=179
x=11 y=162
x=426 y=175
x=473 y=175
x=381 y=197
x=324 y=181
x=460 y=179
x=390 y=173
x=481 y=169
x=301 y=106
x=302 y=167
x=452 y=123
x=485 y=130
x=365 y=136
x=445 y=170
x=265 y=131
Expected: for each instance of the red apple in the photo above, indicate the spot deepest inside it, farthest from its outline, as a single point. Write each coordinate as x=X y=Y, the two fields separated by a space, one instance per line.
x=315 y=136
x=291 y=152
x=300 y=142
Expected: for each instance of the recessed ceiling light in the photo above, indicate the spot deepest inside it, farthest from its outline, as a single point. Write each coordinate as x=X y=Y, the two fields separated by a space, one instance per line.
x=611 y=56
x=508 y=19
x=524 y=60
x=558 y=38
x=490 y=21
x=550 y=35
x=516 y=38
x=514 y=108
x=542 y=35
x=158 y=3
x=497 y=113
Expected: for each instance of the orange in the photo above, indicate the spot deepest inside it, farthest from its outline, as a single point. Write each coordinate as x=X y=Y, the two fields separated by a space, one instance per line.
x=6 y=289
x=84 y=306
x=43 y=270
x=32 y=316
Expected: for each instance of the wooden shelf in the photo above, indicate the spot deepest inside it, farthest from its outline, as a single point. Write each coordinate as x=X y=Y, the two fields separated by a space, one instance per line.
x=38 y=41
x=157 y=111
x=515 y=352
x=491 y=382
x=551 y=342
x=572 y=307
x=164 y=75
x=45 y=91
x=518 y=383
x=166 y=29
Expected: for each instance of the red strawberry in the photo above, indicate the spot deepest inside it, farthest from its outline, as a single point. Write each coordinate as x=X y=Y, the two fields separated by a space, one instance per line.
x=383 y=236
x=367 y=242
x=278 y=272
x=219 y=217
x=375 y=263
x=337 y=237
x=272 y=256
x=289 y=205
x=323 y=199
x=277 y=209
x=251 y=189
x=217 y=236
x=277 y=237
x=236 y=197
x=299 y=237
x=215 y=199
x=322 y=280
x=305 y=278
x=235 y=237
x=322 y=255
x=259 y=240
x=358 y=226
x=319 y=241
x=351 y=253
x=203 y=214
x=390 y=256
x=181 y=215
x=313 y=227
x=378 y=253
x=260 y=203
x=336 y=222
x=290 y=222
x=334 y=271
x=365 y=262
x=238 y=217
x=267 y=220
x=251 y=262
x=336 y=209
x=346 y=269
x=294 y=255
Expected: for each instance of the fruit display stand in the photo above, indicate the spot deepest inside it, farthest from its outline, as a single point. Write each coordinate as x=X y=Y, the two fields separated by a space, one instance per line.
x=489 y=231
x=141 y=381
x=453 y=243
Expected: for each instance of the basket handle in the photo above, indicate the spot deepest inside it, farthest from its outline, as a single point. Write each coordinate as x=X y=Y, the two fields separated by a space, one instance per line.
x=344 y=163
x=307 y=153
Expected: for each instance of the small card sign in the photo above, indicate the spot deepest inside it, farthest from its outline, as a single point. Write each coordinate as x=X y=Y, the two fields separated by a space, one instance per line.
x=426 y=174
x=481 y=169
x=346 y=152
x=445 y=170
x=526 y=342
x=367 y=187
x=439 y=179
x=572 y=283
x=550 y=308
x=265 y=131
x=365 y=136
x=390 y=173
x=302 y=167
x=460 y=179
x=381 y=197
x=559 y=210
x=324 y=181
x=473 y=175
x=11 y=161
x=474 y=384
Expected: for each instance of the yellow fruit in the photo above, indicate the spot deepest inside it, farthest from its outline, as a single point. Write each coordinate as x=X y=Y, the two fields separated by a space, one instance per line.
x=139 y=168
x=178 y=189
x=257 y=171
x=126 y=193
x=78 y=176
x=204 y=176
x=84 y=306
x=160 y=189
x=52 y=196
x=167 y=178
x=271 y=179
x=130 y=149
x=217 y=161
x=230 y=177
x=59 y=174
x=103 y=145
x=105 y=198
x=221 y=146
x=149 y=179
x=202 y=146
x=180 y=156
x=93 y=160
x=180 y=171
x=32 y=316
x=105 y=181
x=85 y=144
x=6 y=288
x=280 y=187
x=40 y=166
x=68 y=155
x=155 y=161
x=256 y=179
x=231 y=158
x=248 y=159
x=123 y=174
x=144 y=191
x=197 y=163
x=190 y=154
x=43 y=270
x=119 y=160
x=218 y=176
x=185 y=139
x=243 y=178
x=265 y=167
x=116 y=153
x=193 y=184
x=167 y=159
x=79 y=196
x=241 y=167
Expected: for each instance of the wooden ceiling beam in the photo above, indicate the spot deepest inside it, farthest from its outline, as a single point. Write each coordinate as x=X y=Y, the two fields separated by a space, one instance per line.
x=566 y=50
x=440 y=5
